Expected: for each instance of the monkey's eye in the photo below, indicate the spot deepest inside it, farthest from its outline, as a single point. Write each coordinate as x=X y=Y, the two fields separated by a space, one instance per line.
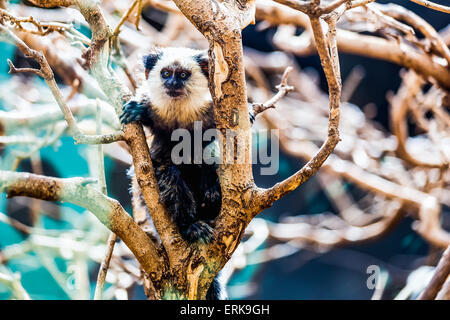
x=165 y=74
x=183 y=75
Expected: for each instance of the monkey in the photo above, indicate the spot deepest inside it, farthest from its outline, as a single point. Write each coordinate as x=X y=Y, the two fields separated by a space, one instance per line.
x=174 y=94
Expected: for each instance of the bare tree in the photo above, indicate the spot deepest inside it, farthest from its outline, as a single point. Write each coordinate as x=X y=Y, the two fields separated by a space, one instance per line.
x=397 y=178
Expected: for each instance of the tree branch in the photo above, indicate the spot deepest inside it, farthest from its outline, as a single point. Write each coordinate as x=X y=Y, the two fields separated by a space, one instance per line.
x=101 y=277
x=47 y=74
x=107 y=210
x=432 y=5
x=13 y=281
x=441 y=273
x=354 y=43
x=221 y=24
x=97 y=58
x=283 y=89
x=330 y=64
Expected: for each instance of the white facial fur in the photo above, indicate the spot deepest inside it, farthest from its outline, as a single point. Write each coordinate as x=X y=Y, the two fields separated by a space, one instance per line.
x=182 y=110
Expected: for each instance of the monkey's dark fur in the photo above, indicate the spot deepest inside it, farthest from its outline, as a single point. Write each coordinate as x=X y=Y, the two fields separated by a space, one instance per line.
x=190 y=192
x=175 y=95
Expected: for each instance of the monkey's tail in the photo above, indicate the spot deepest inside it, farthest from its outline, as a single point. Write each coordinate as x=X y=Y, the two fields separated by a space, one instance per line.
x=217 y=290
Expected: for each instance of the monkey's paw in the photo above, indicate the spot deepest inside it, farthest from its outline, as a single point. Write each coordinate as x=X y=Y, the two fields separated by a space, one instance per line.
x=132 y=112
x=200 y=231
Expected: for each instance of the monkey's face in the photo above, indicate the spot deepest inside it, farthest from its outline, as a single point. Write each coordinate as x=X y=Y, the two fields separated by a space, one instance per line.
x=174 y=79
x=177 y=83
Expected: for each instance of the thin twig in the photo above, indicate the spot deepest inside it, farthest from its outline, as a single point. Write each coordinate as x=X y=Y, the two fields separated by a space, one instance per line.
x=138 y=14
x=330 y=64
x=13 y=282
x=283 y=89
x=351 y=82
x=47 y=74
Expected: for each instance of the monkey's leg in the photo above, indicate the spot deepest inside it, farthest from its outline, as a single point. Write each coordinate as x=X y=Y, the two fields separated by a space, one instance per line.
x=179 y=201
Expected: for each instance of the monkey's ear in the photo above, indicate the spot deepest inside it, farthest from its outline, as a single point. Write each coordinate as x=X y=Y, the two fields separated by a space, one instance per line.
x=150 y=61
x=203 y=61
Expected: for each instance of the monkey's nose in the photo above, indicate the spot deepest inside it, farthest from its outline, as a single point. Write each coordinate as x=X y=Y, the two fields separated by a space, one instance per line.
x=173 y=84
